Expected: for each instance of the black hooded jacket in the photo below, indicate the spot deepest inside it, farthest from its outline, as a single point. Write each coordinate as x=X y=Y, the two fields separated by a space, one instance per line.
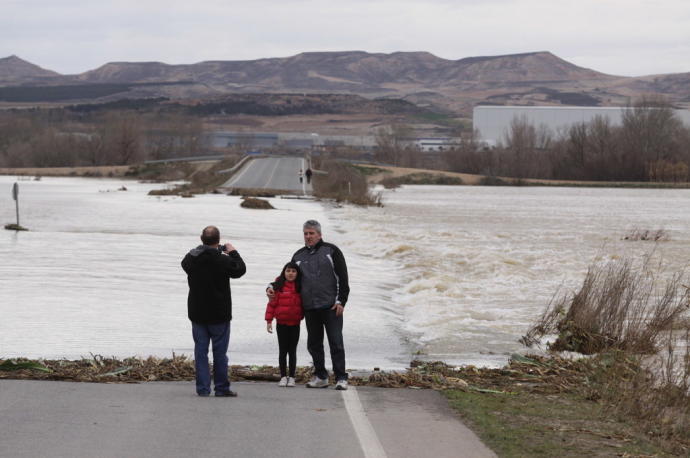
x=208 y=274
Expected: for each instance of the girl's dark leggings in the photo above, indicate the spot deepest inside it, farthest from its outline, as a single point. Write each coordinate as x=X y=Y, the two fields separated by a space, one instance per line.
x=288 y=336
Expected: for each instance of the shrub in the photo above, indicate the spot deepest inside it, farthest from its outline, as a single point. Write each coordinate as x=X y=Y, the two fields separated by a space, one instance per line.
x=252 y=202
x=636 y=234
x=624 y=312
x=421 y=178
x=619 y=305
x=490 y=180
x=343 y=183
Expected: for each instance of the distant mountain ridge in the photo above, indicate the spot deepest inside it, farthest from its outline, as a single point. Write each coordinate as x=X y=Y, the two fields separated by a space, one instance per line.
x=13 y=69
x=341 y=70
x=419 y=77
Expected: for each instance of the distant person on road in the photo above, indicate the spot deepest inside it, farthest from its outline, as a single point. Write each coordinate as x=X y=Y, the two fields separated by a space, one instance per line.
x=209 y=268
x=308 y=175
x=324 y=291
x=286 y=308
x=301 y=176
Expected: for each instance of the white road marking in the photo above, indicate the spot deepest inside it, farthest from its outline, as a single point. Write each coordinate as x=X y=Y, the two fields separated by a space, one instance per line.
x=246 y=167
x=275 y=167
x=368 y=440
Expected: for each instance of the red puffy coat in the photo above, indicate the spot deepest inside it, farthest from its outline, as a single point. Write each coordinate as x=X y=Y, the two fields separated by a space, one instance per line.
x=286 y=306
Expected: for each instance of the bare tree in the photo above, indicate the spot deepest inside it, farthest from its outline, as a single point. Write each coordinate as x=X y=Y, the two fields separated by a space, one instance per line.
x=520 y=141
x=124 y=135
x=392 y=143
x=647 y=136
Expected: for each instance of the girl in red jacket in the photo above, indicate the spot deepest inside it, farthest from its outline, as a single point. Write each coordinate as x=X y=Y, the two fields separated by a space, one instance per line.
x=286 y=308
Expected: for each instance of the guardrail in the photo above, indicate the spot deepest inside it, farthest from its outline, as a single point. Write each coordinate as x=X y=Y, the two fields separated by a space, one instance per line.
x=187 y=159
x=237 y=166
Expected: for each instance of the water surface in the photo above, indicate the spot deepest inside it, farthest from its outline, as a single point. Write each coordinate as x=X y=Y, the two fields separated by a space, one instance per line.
x=451 y=273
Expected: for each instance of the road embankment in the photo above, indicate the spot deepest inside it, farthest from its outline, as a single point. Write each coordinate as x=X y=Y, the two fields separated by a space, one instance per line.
x=98 y=171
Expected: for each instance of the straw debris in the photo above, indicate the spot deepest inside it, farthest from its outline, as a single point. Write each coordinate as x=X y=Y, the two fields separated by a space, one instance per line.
x=533 y=373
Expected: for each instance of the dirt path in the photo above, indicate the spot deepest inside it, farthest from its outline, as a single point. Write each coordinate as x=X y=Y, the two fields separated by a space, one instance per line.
x=471 y=179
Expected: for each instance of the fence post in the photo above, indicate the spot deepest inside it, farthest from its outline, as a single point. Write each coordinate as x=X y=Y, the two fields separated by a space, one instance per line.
x=15 y=196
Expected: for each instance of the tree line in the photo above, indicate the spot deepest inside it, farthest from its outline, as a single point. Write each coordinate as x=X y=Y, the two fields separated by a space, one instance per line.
x=62 y=138
x=650 y=144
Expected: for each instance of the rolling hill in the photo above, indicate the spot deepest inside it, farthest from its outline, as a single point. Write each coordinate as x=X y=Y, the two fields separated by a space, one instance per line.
x=452 y=86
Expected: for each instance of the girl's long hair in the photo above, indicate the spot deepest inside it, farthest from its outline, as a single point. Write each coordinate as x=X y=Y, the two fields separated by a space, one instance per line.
x=280 y=281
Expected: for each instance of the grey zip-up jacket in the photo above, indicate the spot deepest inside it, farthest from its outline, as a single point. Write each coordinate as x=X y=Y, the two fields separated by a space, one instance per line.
x=324 y=276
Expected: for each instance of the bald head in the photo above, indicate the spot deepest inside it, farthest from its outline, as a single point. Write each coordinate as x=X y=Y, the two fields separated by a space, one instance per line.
x=210 y=236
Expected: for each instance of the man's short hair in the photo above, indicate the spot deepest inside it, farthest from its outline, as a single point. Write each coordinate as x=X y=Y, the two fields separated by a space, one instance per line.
x=210 y=235
x=312 y=223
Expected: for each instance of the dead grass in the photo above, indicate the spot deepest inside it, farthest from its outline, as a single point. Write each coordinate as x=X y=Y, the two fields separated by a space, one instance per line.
x=201 y=177
x=657 y=235
x=259 y=204
x=637 y=325
x=255 y=192
x=421 y=178
x=620 y=305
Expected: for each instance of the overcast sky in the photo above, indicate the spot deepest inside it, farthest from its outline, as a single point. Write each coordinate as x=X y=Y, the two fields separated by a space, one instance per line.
x=623 y=37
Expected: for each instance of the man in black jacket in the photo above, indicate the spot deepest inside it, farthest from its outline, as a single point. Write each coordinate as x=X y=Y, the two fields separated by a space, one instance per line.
x=209 y=268
x=325 y=288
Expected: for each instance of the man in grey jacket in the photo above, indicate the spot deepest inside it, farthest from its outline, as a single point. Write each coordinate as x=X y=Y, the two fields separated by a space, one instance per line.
x=324 y=291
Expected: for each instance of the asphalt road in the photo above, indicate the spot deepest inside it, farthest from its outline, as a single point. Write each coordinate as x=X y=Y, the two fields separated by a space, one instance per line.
x=279 y=173
x=168 y=419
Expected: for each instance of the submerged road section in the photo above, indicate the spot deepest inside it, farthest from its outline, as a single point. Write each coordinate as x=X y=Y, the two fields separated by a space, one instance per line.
x=279 y=173
x=168 y=419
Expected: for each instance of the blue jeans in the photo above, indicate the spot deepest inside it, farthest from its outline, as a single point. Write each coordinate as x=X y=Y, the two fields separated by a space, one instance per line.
x=219 y=335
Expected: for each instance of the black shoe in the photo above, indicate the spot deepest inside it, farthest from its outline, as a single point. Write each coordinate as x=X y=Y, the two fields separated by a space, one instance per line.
x=227 y=394
x=203 y=395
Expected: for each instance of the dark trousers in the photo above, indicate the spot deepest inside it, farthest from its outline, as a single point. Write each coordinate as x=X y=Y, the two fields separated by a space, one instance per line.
x=288 y=336
x=219 y=336
x=317 y=321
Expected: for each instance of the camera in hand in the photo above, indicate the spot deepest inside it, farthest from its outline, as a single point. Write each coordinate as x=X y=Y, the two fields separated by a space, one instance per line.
x=222 y=248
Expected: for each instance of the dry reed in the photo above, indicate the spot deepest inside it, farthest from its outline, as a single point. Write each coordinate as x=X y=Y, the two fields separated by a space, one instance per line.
x=620 y=305
x=635 y=321
x=647 y=235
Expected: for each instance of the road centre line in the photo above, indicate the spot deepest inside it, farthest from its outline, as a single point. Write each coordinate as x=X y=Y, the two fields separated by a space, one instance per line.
x=368 y=440
x=275 y=167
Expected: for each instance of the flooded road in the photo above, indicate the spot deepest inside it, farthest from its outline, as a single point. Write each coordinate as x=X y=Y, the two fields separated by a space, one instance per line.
x=451 y=273
x=99 y=272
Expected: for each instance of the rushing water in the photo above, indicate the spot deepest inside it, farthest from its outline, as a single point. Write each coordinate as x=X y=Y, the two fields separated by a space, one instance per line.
x=452 y=273
x=474 y=266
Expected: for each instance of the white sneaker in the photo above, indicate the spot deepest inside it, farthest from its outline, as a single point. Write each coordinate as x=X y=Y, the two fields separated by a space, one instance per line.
x=291 y=381
x=317 y=382
x=283 y=381
x=341 y=385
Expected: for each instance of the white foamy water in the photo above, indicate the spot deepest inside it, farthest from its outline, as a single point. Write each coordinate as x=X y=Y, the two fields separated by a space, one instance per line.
x=454 y=273
x=475 y=265
x=100 y=273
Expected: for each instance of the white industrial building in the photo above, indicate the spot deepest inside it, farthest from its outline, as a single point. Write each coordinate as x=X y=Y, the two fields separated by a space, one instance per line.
x=428 y=144
x=493 y=122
